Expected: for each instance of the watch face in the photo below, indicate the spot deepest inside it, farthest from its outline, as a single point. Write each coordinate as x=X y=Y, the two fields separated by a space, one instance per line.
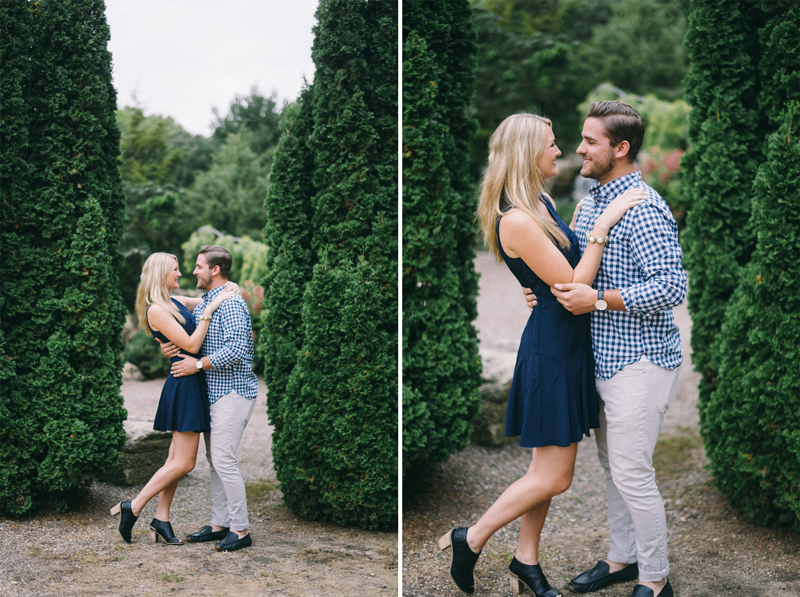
x=600 y=305
x=199 y=364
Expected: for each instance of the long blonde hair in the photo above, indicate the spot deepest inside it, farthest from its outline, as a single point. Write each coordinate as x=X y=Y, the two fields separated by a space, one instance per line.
x=153 y=288
x=513 y=178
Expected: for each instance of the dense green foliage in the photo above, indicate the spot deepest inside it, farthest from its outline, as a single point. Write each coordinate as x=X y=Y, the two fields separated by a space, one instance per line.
x=544 y=56
x=62 y=210
x=441 y=368
x=176 y=182
x=752 y=418
x=742 y=249
x=719 y=168
x=335 y=445
x=290 y=259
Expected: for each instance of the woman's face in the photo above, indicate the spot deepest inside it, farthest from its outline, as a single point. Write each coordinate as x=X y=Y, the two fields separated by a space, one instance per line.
x=173 y=276
x=547 y=161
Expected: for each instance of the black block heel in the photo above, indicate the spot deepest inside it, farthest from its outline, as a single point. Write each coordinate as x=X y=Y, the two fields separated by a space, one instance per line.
x=533 y=577
x=126 y=519
x=464 y=559
x=159 y=528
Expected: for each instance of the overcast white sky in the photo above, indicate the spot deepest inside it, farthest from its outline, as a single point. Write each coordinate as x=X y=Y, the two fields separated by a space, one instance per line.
x=183 y=57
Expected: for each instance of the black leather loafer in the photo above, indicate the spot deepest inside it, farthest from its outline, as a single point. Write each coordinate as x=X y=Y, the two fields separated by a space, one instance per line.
x=207 y=534
x=599 y=577
x=643 y=591
x=232 y=542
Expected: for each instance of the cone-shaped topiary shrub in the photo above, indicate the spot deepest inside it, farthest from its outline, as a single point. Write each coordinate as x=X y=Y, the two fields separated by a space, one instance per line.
x=62 y=208
x=726 y=131
x=752 y=418
x=441 y=367
x=331 y=326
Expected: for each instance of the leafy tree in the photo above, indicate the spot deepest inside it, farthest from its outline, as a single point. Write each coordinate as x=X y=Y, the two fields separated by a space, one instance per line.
x=61 y=218
x=231 y=193
x=725 y=128
x=336 y=451
x=255 y=118
x=146 y=152
x=441 y=368
x=640 y=48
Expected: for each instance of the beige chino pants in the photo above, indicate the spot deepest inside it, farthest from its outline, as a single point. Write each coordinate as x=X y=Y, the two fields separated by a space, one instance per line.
x=229 y=417
x=632 y=407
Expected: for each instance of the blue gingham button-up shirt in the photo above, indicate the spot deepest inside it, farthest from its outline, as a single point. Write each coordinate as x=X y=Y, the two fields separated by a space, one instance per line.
x=229 y=347
x=643 y=261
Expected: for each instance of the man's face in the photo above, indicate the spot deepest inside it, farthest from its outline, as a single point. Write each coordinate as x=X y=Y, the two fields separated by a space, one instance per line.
x=204 y=273
x=596 y=150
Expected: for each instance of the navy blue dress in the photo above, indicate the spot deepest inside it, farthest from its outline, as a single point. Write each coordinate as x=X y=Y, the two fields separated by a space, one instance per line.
x=184 y=400
x=552 y=401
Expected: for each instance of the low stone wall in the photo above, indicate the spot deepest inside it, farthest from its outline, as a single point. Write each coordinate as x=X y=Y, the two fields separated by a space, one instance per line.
x=489 y=426
x=144 y=453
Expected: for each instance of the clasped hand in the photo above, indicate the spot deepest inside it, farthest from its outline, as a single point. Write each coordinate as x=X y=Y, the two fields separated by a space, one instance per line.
x=575 y=298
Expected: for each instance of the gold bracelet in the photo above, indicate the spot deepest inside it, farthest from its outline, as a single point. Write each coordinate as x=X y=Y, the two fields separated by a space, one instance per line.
x=205 y=318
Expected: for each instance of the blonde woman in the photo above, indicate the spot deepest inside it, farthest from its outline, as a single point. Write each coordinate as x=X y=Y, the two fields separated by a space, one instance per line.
x=552 y=402
x=183 y=407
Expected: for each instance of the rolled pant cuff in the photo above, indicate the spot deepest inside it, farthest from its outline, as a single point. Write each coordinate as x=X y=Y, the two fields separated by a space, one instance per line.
x=621 y=559
x=647 y=576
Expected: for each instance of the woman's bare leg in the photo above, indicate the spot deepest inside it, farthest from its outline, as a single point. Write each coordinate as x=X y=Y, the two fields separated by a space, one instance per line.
x=549 y=474
x=530 y=530
x=183 y=455
x=166 y=495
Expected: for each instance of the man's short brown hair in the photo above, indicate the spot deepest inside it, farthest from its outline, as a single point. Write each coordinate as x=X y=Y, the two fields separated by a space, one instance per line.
x=622 y=123
x=217 y=255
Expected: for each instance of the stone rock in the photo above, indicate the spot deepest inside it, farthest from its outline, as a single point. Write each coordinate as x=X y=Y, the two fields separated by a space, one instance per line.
x=489 y=426
x=144 y=453
x=131 y=372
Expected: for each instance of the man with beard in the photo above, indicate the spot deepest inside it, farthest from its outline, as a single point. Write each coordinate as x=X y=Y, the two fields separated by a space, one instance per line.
x=636 y=345
x=232 y=389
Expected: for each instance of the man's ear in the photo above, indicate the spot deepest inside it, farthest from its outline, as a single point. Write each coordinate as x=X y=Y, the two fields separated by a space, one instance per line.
x=216 y=270
x=622 y=149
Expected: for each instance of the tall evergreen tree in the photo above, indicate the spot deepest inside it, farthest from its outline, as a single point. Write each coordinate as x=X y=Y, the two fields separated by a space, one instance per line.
x=726 y=130
x=289 y=258
x=62 y=209
x=336 y=452
x=441 y=368
x=752 y=417
x=752 y=421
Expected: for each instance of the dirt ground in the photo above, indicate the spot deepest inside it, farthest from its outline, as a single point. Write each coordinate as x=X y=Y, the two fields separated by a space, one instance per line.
x=82 y=554
x=714 y=552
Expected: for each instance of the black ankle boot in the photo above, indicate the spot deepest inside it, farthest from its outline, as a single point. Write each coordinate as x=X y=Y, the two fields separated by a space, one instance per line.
x=533 y=577
x=126 y=519
x=464 y=559
x=164 y=530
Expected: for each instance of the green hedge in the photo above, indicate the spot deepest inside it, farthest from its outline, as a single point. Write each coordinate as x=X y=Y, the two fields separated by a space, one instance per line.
x=334 y=374
x=726 y=131
x=62 y=207
x=441 y=366
x=752 y=419
x=745 y=83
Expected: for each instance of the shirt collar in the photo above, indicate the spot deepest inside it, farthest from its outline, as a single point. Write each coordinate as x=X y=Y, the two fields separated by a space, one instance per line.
x=212 y=294
x=603 y=194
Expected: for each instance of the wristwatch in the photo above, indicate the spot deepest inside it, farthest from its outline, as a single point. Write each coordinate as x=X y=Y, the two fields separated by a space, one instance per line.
x=199 y=363
x=600 y=304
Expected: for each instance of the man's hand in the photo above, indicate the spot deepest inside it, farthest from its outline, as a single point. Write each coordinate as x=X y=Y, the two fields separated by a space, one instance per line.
x=168 y=349
x=186 y=366
x=576 y=298
x=530 y=297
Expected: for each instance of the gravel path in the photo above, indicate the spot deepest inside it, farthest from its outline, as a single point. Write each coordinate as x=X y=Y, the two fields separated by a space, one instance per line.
x=712 y=551
x=81 y=553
